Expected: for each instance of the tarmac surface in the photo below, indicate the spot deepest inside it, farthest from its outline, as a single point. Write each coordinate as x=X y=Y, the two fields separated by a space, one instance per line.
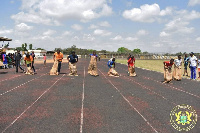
x=64 y=104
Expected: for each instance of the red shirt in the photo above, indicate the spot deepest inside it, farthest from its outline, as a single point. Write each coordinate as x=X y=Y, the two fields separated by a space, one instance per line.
x=167 y=63
x=131 y=62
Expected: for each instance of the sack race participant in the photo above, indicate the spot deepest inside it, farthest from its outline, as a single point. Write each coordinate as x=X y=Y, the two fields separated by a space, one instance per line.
x=199 y=66
x=54 y=69
x=72 y=59
x=111 y=65
x=29 y=62
x=131 y=66
x=92 y=69
x=177 y=68
x=168 y=70
x=58 y=56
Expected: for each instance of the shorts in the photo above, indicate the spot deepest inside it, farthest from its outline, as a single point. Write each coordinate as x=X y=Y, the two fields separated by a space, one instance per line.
x=185 y=67
x=44 y=61
x=198 y=69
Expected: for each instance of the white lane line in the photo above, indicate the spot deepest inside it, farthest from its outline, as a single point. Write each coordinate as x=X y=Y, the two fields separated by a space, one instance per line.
x=10 y=78
x=31 y=105
x=143 y=86
x=21 y=85
x=130 y=104
x=83 y=97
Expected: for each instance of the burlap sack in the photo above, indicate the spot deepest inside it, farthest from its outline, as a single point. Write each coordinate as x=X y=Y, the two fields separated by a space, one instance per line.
x=54 y=69
x=73 y=69
x=168 y=74
x=29 y=71
x=113 y=72
x=92 y=69
x=132 y=72
x=177 y=73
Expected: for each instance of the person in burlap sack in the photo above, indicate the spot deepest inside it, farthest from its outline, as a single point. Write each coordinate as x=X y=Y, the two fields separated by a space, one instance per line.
x=29 y=62
x=111 y=65
x=92 y=69
x=131 y=66
x=168 y=70
x=72 y=60
x=58 y=56
x=177 y=68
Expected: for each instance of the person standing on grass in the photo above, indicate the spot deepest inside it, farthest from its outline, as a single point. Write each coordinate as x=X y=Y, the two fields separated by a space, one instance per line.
x=18 y=58
x=168 y=70
x=186 y=59
x=72 y=59
x=58 y=56
x=33 y=56
x=92 y=69
x=193 y=65
x=177 y=68
x=131 y=66
x=45 y=58
x=199 y=66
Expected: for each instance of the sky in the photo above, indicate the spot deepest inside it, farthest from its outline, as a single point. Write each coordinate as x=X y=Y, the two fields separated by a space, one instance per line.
x=166 y=26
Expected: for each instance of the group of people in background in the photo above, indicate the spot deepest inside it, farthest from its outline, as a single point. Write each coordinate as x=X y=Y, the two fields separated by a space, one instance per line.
x=18 y=60
x=192 y=62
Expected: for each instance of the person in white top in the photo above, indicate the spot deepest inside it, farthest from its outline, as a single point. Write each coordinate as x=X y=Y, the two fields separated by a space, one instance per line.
x=193 y=65
x=199 y=66
x=177 y=68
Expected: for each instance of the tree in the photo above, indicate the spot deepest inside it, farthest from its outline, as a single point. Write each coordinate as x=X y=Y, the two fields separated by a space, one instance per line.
x=24 y=47
x=123 y=50
x=137 y=51
x=179 y=53
x=30 y=46
x=145 y=52
x=19 y=48
x=39 y=49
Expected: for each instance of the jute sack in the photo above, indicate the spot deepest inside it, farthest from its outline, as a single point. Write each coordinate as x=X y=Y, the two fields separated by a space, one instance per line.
x=177 y=73
x=72 y=68
x=168 y=74
x=29 y=71
x=132 y=71
x=54 y=69
x=113 y=72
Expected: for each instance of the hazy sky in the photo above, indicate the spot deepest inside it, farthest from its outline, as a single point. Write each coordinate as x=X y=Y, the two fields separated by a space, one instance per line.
x=151 y=25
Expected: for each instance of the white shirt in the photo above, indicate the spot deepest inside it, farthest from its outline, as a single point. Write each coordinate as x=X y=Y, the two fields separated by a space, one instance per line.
x=199 y=63
x=178 y=62
x=193 y=61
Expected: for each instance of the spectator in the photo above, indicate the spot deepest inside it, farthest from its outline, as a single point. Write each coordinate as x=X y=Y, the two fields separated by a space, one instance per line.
x=45 y=58
x=33 y=56
x=186 y=59
x=193 y=65
x=18 y=58
x=199 y=66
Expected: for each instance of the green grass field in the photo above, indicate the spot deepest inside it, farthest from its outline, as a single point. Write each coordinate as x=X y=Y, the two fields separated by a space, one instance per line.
x=155 y=65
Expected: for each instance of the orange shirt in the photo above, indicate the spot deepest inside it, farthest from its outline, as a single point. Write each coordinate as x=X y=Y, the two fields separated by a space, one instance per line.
x=58 y=56
x=28 y=59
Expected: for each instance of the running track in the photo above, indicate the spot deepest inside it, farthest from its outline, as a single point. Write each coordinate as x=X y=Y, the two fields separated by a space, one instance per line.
x=62 y=104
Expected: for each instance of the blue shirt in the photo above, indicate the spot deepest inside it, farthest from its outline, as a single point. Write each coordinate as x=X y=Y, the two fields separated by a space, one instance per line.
x=186 y=59
x=73 y=59
x=93 y=55
x=110 y=63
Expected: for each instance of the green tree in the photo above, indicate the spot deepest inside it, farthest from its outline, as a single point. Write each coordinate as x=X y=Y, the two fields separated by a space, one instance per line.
x=179 y=53
x=19 y=48
x=137 y=51
x=39 y=49
x=123 y=50
x=30 y=46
